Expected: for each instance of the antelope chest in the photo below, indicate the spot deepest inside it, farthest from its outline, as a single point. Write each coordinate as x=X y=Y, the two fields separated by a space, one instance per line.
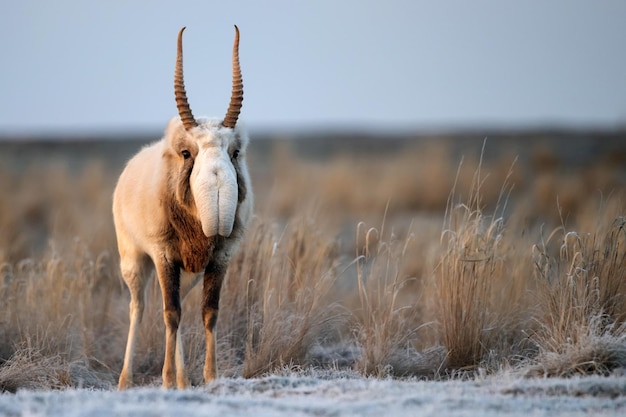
x=195 y=254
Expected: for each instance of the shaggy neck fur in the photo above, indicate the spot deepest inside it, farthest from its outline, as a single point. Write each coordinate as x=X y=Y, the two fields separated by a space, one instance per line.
x=186 y=244
x=185 y=241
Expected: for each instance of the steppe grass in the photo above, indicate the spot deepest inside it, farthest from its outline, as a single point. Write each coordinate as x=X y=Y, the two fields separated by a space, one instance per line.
x=394 y=270
x=582 y=290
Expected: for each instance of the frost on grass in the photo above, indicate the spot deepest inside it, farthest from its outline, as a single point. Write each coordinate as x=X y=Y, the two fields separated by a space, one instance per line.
x=582 y=306
x=348 y=394
x=30 y=370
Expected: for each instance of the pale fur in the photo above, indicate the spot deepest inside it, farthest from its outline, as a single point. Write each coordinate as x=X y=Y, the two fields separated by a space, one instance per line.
x=145 y=235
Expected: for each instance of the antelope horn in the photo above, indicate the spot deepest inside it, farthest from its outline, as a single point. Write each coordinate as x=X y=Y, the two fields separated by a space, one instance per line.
x=236 y=98
x=179 y=88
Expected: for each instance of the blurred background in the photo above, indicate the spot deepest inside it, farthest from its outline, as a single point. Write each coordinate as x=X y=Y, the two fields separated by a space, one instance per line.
x=71 y=67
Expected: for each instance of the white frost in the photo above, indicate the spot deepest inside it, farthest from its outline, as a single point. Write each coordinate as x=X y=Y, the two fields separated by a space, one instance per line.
x=312 y=396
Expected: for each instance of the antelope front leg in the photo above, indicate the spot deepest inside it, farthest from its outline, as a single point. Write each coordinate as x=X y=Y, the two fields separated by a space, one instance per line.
x=213 y=277
x=135 y=278
x=136 y=313
x=169 y=280
x=181 y=374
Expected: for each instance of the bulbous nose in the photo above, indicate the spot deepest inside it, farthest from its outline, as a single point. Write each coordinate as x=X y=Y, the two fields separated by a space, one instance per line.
x=215 y=189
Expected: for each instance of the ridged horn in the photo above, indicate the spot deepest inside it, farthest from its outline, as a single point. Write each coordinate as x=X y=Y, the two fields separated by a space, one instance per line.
x=236 y=98
x=179 y=88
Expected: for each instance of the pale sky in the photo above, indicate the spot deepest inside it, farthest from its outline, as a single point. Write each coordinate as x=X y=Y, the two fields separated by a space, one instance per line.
x=70 y=65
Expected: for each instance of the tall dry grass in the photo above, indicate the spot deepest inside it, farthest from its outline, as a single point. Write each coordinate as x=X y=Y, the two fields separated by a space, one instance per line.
x=470 y=265
x=285 y=277
x=456 y=276
x=385 y=322
x=582 y=294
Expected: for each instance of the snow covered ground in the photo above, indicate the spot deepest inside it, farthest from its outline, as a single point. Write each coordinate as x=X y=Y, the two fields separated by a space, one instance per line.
x=344 y=396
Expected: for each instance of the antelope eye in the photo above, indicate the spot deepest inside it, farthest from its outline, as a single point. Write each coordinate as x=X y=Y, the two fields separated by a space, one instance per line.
x=235 y=153
x=186 y=154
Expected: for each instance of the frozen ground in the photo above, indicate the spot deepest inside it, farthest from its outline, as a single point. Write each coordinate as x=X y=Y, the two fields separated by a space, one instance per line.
x=312 y=396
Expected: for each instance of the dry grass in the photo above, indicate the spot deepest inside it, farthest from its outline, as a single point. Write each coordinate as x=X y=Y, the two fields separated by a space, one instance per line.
x=583 y=304
x=286 y=293
x=470 y=265
x=457 y=276
x=386 y=322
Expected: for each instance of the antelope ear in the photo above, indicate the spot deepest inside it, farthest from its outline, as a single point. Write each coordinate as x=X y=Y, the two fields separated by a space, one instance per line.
x=174 y=126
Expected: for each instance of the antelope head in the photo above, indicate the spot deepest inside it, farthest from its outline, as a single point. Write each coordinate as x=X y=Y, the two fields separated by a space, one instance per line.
x=206 y=157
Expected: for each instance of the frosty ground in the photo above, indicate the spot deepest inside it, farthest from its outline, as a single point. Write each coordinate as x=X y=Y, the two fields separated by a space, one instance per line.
x=297 y=395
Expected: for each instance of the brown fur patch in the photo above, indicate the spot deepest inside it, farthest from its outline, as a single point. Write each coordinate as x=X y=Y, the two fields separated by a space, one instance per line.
x=183 y=189
x=213 y=279
x=185 y=242
x=241 y=184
